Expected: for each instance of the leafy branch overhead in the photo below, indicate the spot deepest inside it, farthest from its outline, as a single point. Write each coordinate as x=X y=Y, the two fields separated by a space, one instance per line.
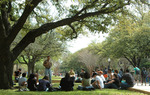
x=32 y=18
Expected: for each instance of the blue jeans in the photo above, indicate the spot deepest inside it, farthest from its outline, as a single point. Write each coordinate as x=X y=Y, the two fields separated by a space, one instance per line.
x=111 y=85
x=48 y=73
x=125 y=85
x=87 y=87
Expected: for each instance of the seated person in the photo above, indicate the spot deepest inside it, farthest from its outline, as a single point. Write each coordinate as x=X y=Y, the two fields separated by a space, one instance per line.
x=17 y=75
x=22 y=82
x=78 y=79
x=32 y=83
x=86 y=82
x=114 y=83
x=100 y=73
x=66 y=83
x=98 y=83
x=44 y=84
x=109 y=74
x=128 y=80
x=82 y=73
x=72 y=74
x=116 y=72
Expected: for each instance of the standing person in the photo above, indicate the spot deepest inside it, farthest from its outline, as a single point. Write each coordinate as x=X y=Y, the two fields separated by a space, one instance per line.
x=47 y=64
x=32 y=83
x=66 y=83
x=72 y=74
x=148 y=76
x=17 y=74
x=98 y=83
x=43 y=84
x=143 y=75
x=128 y=80
x=137 y=74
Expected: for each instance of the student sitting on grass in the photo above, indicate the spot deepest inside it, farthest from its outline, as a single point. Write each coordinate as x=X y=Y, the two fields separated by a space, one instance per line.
x=44 y=84
x=100 y=73
x=23 y=82
x=127 y=80
x=66 y=83
x=86 y=82
x=32 y=83
x=109 y=74
x=98 y=83
x=114 y=83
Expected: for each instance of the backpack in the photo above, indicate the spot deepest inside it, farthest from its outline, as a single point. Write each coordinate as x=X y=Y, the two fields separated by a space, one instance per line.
x=137 y=70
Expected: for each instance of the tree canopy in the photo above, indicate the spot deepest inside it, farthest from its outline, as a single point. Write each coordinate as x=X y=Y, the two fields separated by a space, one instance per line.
x=129 y=39
x=47 y=15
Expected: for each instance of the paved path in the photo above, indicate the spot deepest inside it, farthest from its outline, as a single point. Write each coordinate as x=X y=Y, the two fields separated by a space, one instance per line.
x=141 y=88
x=145 y=88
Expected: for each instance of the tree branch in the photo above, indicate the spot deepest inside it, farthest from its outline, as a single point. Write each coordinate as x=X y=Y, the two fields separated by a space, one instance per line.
x=84 y=9
x=24 y=59
x=74 y=32
x=19 y=24
x=30 y=36
x=129 y=60
x=2 y=31
x=5 y=18
x=20 y=61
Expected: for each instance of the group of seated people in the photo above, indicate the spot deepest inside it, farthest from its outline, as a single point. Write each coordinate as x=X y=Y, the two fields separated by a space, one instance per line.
x=111 y=80
x=96 y=81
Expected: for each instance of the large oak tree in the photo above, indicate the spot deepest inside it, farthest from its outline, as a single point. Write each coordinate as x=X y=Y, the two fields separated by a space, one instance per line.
x=93 y=14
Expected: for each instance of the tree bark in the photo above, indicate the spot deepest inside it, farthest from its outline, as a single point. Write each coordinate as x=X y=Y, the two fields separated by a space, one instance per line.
x=30 y=68
x=6 y=69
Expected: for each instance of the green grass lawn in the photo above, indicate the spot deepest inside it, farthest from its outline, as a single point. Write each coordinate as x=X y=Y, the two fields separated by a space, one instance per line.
x=53 y=77
x=75 y=92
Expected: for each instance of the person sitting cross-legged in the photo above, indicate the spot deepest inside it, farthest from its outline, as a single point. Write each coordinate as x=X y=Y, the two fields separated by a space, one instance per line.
x=114 y=83
x=98 y=83
x=86 y=82
x=23 y=82
x=66 y=83
x=44 y=84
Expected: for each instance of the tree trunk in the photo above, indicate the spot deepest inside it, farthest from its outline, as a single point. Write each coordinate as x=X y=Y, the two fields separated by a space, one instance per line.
x=30 y=68
x=6 y=68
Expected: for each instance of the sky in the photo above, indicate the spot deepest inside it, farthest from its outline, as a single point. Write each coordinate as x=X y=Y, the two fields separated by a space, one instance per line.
x=83 y=41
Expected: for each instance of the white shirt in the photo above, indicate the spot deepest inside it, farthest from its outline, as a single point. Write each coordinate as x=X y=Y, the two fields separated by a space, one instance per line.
x=102 y=77
x=21 y=80
x=98 y=78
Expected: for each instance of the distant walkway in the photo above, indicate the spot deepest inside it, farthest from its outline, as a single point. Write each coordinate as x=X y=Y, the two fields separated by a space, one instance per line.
x=142 y=89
